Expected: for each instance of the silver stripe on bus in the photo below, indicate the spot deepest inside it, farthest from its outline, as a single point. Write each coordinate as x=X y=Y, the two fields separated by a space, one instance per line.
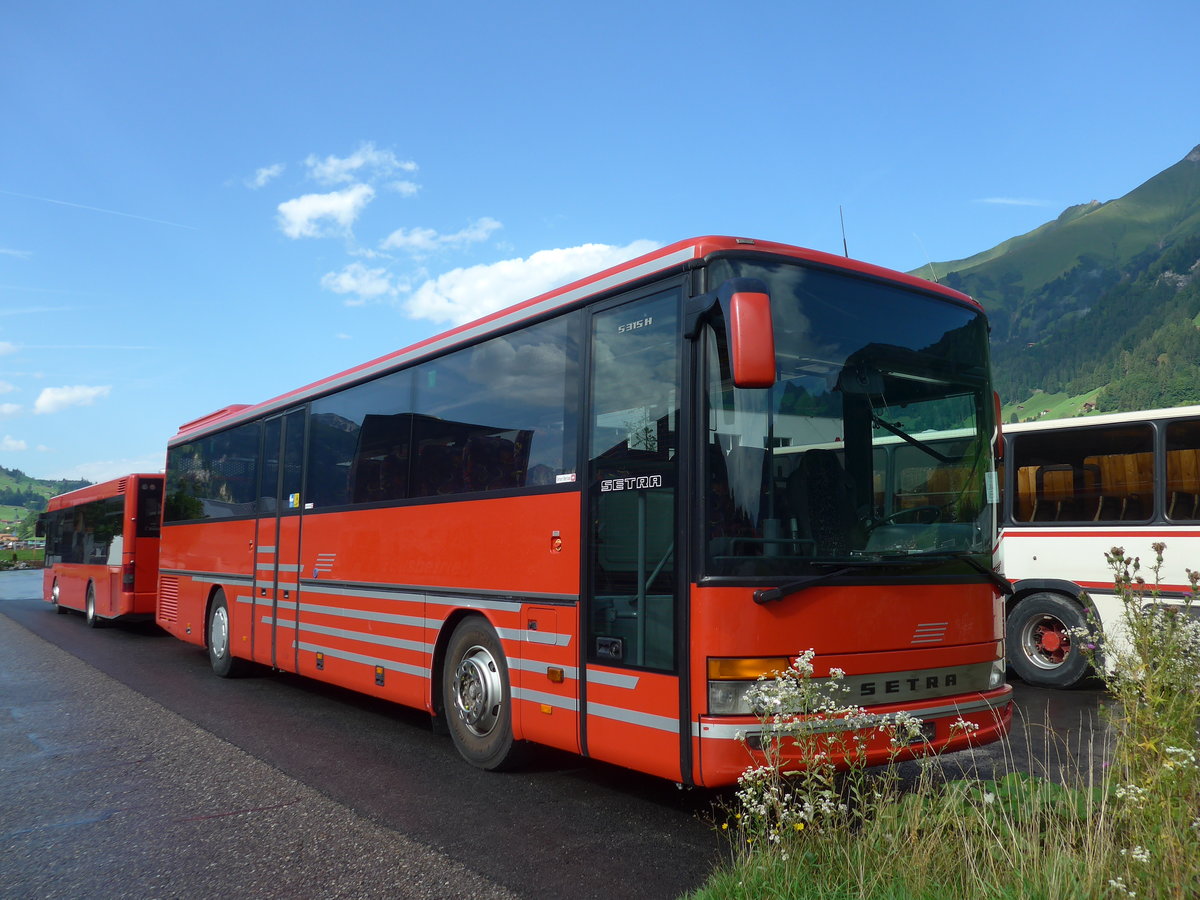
x=364 y=637
x=731 y=732
x=274 y=567
x=315 y=587
x=419 y=671
x=568 y=703
x=279 y=623
x=210 y=577
x=538 y=667
x=625 y=276
x=633 y=717
x=545 y=638
x=552 y=638
x=391 y=618
x=266 y=549
x=612 y=679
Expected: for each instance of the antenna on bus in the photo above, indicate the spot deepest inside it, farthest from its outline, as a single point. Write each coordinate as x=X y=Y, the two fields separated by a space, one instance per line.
x=842 y=216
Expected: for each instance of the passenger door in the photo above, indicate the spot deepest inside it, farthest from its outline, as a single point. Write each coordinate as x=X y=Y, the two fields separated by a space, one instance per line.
x=277 y=549
x=631 y=671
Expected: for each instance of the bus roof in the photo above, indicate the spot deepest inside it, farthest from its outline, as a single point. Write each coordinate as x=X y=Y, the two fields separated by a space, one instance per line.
x=101 y=491
x=1125 y=418
x=658 y=262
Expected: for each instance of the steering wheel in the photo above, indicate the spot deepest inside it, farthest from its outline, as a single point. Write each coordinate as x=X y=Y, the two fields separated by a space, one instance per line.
x=915 y=511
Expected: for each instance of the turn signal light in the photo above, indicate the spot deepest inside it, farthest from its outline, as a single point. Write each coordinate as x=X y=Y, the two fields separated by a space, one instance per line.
x=738 y=669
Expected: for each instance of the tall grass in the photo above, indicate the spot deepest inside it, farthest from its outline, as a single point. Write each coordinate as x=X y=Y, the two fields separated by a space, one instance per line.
x=1127 y=825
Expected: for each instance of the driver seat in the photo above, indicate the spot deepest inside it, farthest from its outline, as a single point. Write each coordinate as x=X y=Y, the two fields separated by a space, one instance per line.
x=821 y=496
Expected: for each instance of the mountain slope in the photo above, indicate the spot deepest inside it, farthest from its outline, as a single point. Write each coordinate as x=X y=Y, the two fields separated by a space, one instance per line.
x=1105 y=293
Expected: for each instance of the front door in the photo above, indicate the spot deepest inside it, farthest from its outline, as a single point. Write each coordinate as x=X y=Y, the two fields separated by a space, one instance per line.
x=277 y=560
x=632 y=679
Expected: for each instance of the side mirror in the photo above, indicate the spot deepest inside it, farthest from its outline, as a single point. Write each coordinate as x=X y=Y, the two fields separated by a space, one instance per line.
x=745 y=306
x=751 y=337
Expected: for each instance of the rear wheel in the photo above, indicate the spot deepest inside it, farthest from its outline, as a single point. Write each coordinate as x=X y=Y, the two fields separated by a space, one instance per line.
x=220 y=640
x=476 y=696
x=1041 y=646
x=89 y=608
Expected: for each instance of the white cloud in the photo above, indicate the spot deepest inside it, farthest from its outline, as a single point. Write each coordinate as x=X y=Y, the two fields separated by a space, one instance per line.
x=464 y=294
x=19 y=254
x=365 y=160
x=357 y=279
x=404 y=188
x=264 y=175
x=7 y=347
x=419 y=241
x=9 y=409
x=56 y=399
x=11 y=443
x=6 y=387
x=302 y=216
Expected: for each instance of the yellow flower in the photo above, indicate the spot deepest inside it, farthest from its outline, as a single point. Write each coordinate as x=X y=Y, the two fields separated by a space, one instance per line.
x=799 y=826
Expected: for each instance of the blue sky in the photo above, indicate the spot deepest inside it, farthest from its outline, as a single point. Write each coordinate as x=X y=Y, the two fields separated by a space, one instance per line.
x=213 y=203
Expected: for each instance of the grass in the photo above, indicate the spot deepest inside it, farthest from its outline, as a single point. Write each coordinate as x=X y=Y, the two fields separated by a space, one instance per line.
x=1054 y=406
x=1132 y=830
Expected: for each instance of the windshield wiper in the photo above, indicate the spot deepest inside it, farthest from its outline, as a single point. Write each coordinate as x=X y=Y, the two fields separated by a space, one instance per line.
x=770 y=595
x=1002 y=584
x=908 y=438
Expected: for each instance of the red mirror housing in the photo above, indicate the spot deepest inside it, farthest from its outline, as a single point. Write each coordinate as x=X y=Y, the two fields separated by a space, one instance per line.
x=751 y=339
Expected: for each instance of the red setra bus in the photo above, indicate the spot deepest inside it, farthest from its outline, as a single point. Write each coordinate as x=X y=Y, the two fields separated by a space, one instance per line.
x=102 y=549
x=593 y=519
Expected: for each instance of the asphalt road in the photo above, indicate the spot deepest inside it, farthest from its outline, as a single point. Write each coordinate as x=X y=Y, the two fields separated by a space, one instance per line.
x=128 y=768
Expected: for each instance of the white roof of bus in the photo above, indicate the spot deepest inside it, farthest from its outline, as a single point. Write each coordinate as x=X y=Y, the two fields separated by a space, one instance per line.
x=1177 y=412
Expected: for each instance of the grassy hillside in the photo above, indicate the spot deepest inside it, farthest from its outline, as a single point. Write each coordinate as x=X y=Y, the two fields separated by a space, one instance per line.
x=1103 y=302
x=22 y=497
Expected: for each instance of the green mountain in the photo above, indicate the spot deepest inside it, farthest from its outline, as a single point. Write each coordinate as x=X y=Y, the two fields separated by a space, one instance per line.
x=22 y=498
x=1103 y=301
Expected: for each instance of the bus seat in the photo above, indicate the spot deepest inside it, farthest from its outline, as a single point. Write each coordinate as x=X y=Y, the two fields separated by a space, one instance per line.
x=822 y=498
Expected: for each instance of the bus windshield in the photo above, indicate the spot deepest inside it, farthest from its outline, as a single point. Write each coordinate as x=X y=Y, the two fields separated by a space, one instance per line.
x=874 y=444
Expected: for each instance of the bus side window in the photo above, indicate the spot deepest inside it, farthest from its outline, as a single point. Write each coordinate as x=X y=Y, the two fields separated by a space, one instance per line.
x=1183 y=470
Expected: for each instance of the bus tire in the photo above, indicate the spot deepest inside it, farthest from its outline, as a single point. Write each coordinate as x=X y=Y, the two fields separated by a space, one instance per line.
x=89 y=608
x=219 y=640
x=477 y=696
x=58 y=607
x=1041 y=648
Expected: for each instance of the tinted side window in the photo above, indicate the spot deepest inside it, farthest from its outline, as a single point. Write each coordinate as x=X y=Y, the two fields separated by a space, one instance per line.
x=1084 y=475
x=359 y=440
x=498 y=415
x=214 y=476
x=1183 y=470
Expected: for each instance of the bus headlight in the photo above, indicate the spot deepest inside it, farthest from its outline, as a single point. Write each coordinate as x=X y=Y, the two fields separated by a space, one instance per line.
x=996 y=676
x=731 y=679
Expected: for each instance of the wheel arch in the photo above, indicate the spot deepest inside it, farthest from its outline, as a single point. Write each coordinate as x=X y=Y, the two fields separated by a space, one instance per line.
x=1068 y=589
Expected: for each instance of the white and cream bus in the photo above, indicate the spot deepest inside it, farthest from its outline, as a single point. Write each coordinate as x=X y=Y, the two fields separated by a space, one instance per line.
x=1073 y=490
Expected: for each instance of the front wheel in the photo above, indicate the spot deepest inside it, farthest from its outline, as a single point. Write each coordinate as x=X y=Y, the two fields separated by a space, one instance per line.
x=476 y=696
x=1041 y=646
x=54 y=592
x=220 y=640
